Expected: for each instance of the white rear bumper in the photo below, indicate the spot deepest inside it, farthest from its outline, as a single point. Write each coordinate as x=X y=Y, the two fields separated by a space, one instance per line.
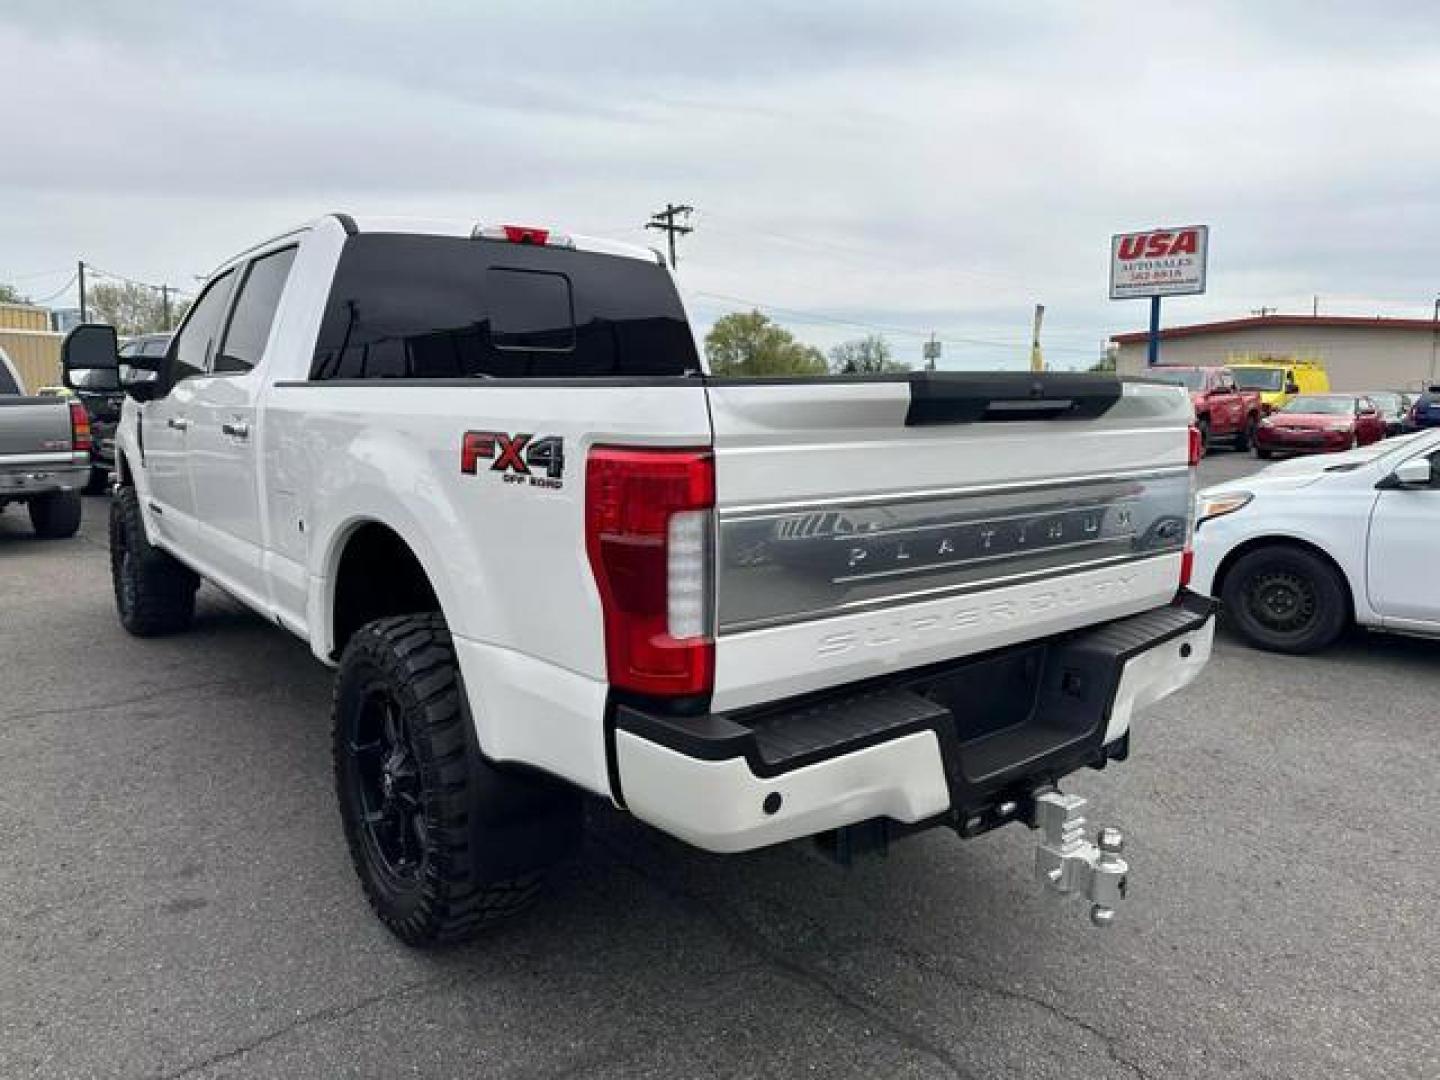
x=725 y=806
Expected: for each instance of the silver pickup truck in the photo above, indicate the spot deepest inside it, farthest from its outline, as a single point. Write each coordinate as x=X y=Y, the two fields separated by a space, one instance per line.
x=44 y=455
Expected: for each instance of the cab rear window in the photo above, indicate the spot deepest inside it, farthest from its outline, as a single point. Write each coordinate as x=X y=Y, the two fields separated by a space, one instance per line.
x=434 y=307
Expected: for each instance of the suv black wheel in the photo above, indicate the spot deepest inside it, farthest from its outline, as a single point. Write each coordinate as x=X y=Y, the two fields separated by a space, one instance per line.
x=1286 y=599
x=444 y=843
x=1204 y=427
x=154 y=593
x=57 y=515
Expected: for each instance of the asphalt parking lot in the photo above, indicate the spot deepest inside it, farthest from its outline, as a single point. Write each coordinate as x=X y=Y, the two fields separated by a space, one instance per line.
x=176 y=900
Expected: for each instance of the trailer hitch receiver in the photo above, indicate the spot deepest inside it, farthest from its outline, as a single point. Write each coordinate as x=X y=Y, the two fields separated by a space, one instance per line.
x=1070 y=864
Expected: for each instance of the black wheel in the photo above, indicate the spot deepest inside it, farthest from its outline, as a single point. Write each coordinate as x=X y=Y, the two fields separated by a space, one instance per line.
x=445 y=843
x=154 y=593
x=1286 y=599
x=1264 y=453
x=1204 y=426
x=57 y=515
x=1246 y=438
x=97 y=483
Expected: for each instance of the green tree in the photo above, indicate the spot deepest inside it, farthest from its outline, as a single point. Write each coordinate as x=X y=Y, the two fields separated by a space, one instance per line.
x=11 y=295
x=132 y=309
x=1104 y=364
x=864 y=356
x=748 y=343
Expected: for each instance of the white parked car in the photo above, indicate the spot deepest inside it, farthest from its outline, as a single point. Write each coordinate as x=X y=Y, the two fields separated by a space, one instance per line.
x=1304 y=548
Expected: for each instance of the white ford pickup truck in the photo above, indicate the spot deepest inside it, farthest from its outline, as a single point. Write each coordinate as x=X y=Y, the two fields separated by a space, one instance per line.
x=483 y=472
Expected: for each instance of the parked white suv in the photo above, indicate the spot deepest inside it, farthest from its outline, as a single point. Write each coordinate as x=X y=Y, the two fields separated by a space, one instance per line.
x=483 y=473
x=1303 y=549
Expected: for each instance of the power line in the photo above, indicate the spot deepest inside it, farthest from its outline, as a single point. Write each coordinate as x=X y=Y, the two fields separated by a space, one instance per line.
x=664 y=220
x=817 y=317
x=38 y=274
x=173 y=291
x=58 y=292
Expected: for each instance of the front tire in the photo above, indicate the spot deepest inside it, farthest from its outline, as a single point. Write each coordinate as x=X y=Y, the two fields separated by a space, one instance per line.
x=424 y=814
x=57 y=515
x=1204 y=427
x=1286 y=599
x=1264 y=453
x=154 y=592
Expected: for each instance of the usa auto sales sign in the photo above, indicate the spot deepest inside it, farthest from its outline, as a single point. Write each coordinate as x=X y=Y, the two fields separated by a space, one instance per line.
x=1158 y=262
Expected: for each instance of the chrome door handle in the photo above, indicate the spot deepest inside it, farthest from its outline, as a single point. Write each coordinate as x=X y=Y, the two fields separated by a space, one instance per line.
x=179 y=423
x=239 y=428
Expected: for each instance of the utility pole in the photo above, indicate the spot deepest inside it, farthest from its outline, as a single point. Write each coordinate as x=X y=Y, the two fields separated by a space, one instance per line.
x=1434 y=342
x=80 y=273
x=165 y=304
x=932 y=352
x=1037 y=358
x=664 y=220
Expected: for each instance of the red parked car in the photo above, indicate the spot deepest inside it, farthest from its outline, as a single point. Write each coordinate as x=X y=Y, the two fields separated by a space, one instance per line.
x=1320 y=423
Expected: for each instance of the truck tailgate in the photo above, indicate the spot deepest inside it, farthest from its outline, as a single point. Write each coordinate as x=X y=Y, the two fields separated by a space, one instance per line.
x=866 y=526
x=34 y=430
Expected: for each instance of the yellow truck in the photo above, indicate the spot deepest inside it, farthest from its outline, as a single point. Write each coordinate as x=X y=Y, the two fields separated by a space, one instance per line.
x=1278 y=378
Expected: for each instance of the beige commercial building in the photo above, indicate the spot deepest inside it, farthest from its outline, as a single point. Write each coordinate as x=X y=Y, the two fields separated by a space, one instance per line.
x=27 y=341
x=1358 y=353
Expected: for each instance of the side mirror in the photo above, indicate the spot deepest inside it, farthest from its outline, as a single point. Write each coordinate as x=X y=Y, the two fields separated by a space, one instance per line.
x=1414 y=473
x=1292 y=387
x=141 y=383
x=90 y=357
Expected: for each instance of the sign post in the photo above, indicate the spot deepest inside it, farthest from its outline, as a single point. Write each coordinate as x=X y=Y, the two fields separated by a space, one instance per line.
x=1156 y=263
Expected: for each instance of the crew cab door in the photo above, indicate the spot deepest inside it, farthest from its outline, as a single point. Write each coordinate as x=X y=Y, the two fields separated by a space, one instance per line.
x=166 y=421
x=224 y=471
x=1401 y=567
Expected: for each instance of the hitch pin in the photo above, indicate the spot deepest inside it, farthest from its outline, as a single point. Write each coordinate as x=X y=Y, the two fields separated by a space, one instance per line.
x=1068 y=863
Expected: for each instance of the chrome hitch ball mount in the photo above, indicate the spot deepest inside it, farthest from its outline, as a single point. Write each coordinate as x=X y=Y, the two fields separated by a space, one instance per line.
x=1070 y=864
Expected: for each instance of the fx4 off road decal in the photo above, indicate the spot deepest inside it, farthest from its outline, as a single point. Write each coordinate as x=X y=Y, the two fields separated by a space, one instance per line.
x=519 y=459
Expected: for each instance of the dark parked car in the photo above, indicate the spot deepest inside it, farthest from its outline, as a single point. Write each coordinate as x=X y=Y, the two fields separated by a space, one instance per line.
x=102 y=402
x=1425 y=413
x=1393 y=408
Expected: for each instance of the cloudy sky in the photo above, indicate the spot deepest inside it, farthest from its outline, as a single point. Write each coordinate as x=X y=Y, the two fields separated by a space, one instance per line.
x=903 y=167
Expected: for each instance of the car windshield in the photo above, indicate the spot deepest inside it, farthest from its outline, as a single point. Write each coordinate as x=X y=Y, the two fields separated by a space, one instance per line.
x=1387 y=402
x=1259 y=378
x=1189 y=378
x=1326 y=406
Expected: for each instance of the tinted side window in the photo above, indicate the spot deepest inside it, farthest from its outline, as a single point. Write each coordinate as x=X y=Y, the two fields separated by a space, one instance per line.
x=254 y=312
x=197 y=337
x=417 y=307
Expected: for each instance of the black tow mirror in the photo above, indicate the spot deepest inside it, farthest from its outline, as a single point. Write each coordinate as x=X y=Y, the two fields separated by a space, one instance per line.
x=90 y=357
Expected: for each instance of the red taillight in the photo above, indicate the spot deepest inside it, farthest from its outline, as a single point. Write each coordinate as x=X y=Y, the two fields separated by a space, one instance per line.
x=1187 y=556
x=79 y=427
x=525 y=234
x=650 y=576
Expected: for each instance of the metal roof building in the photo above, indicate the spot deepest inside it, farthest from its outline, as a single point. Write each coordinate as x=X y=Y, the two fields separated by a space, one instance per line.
x=1359 y=353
